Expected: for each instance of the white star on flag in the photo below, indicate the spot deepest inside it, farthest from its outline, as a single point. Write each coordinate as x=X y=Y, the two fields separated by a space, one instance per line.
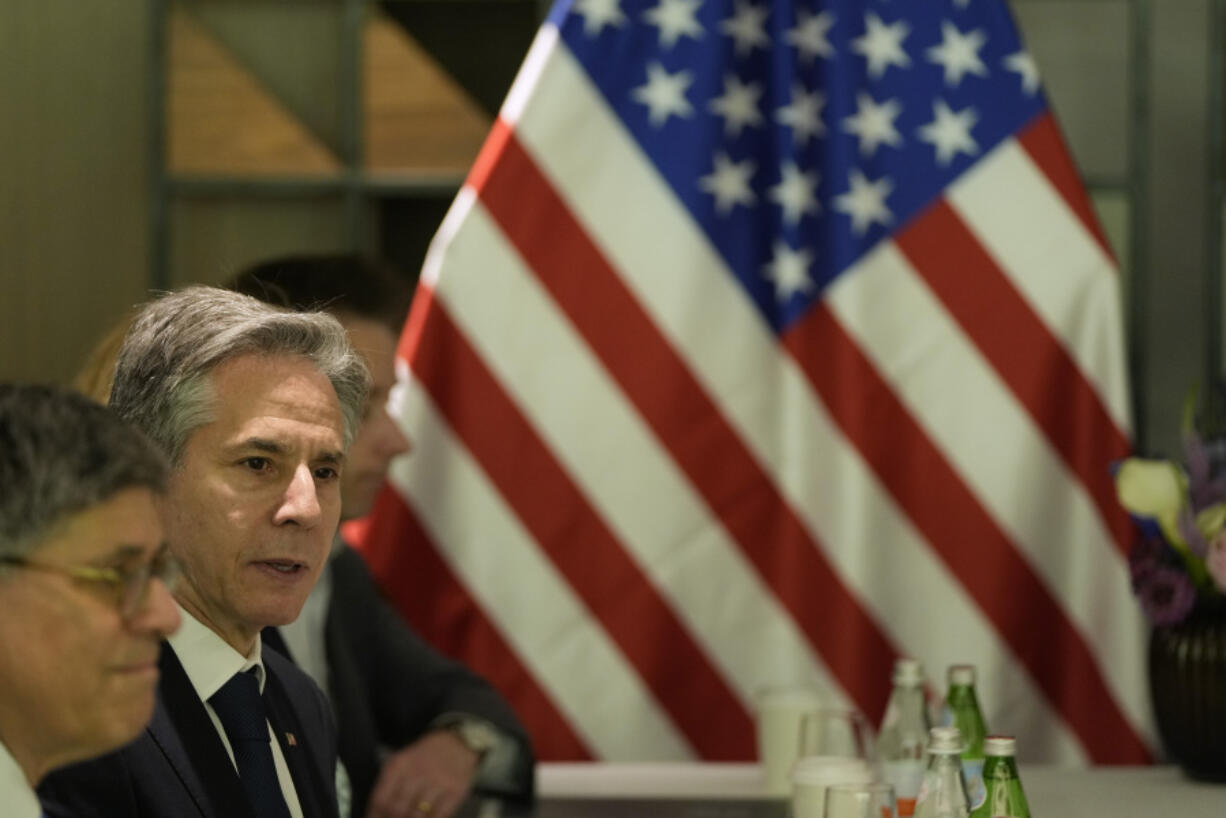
x=874 y=124
x=599 y=13
x=729 y=183
x=865 y=202
x=664 y=94
x=675 y=19
x=795 y=193
x=1024 y=65
x=803 y=114
x=789 y=271
x=738 y=106
x=747 y=27
x=950 y=132
x=959 y=53
x=881 y=45
x=810 y=35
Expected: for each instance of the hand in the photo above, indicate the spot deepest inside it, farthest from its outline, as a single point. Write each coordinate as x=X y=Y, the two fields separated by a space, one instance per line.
x=428 y=779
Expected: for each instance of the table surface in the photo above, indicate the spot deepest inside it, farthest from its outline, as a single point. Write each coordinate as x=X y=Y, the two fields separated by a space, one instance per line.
x=1053 y=792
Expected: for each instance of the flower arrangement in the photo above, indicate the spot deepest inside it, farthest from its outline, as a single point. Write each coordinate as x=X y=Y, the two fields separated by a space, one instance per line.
x=1180 y=558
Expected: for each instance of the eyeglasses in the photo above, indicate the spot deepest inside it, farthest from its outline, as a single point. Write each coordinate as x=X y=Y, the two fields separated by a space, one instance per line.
x=128 y=585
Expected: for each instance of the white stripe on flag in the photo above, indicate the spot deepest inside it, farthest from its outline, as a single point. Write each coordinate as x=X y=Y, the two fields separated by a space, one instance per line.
x=993 y=443
x=585 y=675
x=636 y=487
x=1047 y=256
x=665 y=260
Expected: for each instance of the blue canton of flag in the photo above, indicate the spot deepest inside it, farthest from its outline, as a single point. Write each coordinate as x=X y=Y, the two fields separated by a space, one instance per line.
x=812 y=129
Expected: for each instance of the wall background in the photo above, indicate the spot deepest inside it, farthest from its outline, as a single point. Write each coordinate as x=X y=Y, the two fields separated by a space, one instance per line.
x=75 y=169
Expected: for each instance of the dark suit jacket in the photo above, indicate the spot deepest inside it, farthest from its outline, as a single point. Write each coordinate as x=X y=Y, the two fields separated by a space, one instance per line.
x=388 y=686
x=179 y=768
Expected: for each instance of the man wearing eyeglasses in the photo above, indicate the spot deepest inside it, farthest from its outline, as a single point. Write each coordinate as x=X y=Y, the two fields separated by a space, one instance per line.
x=254 y=407
x=83 y=585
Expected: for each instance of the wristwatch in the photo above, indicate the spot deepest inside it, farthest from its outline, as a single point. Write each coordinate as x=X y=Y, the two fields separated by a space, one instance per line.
x=477 y=735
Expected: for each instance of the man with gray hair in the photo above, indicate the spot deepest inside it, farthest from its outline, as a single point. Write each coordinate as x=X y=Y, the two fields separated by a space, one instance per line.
x=83 y=585
x=255 y=408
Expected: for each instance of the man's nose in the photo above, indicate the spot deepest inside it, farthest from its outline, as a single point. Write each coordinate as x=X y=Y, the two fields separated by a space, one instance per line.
x=157 y=613
x=300 y=503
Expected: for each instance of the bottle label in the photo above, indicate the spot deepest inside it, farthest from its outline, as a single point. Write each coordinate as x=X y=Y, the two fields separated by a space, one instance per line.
x=976 y=792
x=906 y=776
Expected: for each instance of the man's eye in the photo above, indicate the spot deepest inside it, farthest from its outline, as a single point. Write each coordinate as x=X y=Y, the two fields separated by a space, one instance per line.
x=256 y=463
x=326 y=473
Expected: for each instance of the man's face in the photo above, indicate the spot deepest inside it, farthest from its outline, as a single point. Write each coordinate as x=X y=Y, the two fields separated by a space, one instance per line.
x=379 y=439
x=71 y=667
x=255 y=498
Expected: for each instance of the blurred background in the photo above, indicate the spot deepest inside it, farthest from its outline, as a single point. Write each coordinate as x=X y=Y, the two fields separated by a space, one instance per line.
x=150 y=144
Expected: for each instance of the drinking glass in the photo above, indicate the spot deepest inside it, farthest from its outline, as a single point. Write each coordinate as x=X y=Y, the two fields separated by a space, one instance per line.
x=835 y=732
x=779 y=710
x=859 y=801
x=813 y=774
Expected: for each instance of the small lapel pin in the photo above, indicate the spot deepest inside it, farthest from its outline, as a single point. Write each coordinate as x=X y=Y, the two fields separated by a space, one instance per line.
x=291 y=739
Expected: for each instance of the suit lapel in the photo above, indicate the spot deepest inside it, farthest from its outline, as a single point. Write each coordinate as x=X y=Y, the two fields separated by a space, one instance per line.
x=181 y=728
x=312 y=792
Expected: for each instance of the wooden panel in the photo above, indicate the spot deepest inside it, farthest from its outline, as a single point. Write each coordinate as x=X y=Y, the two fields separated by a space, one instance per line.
x=222 y=121
x=417 y=118
x=294 y=50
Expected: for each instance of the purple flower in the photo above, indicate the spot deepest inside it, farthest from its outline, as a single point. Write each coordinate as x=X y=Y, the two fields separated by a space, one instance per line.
x=1203 y=462
x=1148 y=553
x=1166 y=594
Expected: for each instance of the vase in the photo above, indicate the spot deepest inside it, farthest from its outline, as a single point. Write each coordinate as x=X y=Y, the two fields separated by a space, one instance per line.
x=1187 y=681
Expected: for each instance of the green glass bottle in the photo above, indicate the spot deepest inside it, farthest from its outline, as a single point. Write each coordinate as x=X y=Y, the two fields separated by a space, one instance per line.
x=1005 y=798
x=962 y=711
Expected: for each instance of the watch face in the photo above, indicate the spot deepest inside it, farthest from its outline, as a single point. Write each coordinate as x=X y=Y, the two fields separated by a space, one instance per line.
x=478 y=737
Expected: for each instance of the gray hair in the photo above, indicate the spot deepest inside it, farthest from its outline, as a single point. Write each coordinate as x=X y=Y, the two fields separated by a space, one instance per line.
x=61 y=454
x=161 y=376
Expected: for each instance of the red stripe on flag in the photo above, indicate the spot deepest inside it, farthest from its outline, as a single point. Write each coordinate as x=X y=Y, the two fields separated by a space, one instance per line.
x=424 y=589
x=1041 y=139
x=960 y=530
x=689 y=425
x=576 y=538
x=1028 y=357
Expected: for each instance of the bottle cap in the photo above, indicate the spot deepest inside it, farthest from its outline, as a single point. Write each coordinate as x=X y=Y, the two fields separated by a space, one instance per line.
x=945 y=741
x=999 y=746
x=961 y=674
x=908 y=672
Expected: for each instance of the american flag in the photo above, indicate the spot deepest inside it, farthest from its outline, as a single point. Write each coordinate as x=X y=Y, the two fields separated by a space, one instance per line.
x=767 y=342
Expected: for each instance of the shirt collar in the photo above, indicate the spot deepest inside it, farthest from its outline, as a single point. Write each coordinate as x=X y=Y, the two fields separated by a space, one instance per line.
x=208 y=660
x=15 y=793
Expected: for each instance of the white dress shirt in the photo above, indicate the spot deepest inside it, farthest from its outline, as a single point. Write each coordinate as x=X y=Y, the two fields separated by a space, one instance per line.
x=16 y=795
x=210 y=662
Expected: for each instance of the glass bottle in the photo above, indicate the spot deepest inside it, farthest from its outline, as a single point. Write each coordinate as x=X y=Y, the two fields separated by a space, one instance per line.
x=962 y=711
x=1005 y=798
x=943 y=794
x=904 y=731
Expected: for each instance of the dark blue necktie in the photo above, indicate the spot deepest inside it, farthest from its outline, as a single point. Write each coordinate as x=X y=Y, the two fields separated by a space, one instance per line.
x=241 y=710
